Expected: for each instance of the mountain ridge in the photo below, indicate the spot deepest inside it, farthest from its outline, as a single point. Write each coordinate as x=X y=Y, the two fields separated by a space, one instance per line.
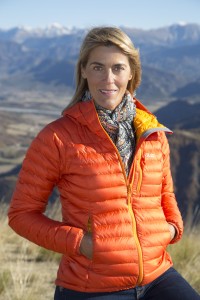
x=166 y=34
x=170 y=58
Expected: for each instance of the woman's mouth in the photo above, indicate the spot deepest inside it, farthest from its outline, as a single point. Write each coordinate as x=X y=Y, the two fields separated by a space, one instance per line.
x=108 y=92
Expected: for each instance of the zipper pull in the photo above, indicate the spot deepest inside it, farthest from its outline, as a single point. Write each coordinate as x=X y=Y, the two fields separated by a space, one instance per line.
x=129 y=193
x=89 y=225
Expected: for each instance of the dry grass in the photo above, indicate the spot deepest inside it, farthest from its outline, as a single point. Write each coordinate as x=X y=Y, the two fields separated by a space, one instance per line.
x=28 y=272
x=186 y=257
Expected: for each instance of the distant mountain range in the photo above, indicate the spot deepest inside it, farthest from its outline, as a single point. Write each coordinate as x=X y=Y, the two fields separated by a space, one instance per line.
x=170 y=59
x=174 y=35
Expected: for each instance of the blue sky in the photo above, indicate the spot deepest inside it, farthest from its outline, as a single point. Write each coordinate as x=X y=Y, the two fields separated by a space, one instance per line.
x=144 y=14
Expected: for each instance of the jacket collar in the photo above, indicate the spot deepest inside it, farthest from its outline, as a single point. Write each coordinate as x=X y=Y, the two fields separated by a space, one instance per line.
x=85 y=113
x=145 y=122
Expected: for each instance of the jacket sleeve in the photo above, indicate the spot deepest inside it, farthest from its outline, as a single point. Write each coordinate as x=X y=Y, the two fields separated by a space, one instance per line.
x=40 y=172
x=169 y=203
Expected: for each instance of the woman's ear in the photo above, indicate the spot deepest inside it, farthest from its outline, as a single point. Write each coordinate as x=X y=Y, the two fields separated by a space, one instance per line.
x=131 y=76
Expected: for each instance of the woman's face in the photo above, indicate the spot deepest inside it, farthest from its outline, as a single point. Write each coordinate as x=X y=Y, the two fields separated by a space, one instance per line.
x=107 y=73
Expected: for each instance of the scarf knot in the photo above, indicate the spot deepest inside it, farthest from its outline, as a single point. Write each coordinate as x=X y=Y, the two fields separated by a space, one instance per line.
x=118 y=123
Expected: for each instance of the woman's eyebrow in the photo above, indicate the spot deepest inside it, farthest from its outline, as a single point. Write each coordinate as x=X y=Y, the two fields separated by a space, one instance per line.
x=100 y=64
x=120 y=65
x=96 y=63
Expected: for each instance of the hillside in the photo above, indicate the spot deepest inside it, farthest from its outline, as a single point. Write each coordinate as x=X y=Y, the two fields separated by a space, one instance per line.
x=189 y=91
x=183 y=118
x=180 y=114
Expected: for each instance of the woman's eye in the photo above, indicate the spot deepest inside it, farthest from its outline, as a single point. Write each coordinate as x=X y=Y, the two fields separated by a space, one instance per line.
x=118 y=68
x=98 y=68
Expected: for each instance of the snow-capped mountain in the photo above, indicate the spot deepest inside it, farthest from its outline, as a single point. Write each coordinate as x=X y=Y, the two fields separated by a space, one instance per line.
x=170 y=56
x=22 y=33
x=176 y=34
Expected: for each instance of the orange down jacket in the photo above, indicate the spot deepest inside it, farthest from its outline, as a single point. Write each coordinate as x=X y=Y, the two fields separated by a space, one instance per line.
x=128 y=217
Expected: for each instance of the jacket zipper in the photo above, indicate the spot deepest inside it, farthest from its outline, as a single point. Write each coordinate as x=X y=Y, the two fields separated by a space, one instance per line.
x=140 y=277
x=89 y=225
x=129 y=191
x=139 y=183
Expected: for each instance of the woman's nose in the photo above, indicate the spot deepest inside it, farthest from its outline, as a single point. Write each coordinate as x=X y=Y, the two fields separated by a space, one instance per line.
x=109 y=76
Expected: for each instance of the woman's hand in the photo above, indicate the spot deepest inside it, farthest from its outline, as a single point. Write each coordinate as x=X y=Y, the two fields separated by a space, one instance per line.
x=172 y=231
x=86 y=246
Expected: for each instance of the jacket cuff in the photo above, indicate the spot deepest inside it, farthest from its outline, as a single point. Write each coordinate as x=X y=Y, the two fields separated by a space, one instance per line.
x=73 y=240
x=178 y=234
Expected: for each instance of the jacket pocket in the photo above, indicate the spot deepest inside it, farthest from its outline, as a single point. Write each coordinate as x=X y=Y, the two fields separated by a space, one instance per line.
x=113 y=240
x=166 y=234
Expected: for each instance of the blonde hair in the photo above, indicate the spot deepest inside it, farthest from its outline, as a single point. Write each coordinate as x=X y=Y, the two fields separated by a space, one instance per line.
x=106 y=36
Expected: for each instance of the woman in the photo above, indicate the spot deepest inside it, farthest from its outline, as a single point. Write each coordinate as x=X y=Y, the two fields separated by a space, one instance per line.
x=109 y=158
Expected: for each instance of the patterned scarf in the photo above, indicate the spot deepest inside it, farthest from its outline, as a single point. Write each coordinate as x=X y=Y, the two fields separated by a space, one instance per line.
x=119 y=126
